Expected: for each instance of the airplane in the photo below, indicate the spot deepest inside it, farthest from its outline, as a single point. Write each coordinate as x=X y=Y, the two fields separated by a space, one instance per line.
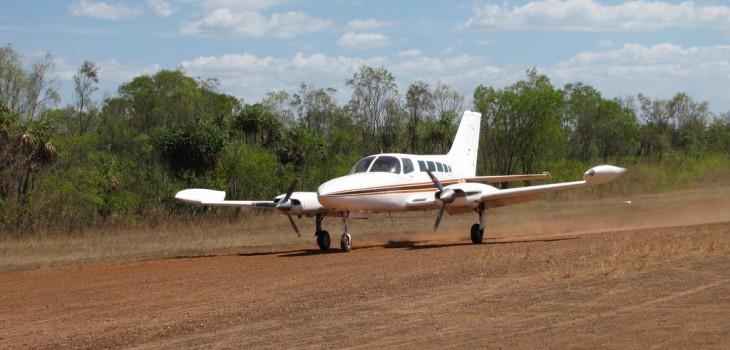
x=396 y=182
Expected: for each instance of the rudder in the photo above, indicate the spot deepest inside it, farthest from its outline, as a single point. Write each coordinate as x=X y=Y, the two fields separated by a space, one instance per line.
x=463 y=152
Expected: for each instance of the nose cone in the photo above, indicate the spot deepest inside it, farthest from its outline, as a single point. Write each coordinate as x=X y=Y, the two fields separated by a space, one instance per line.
x=329 y=194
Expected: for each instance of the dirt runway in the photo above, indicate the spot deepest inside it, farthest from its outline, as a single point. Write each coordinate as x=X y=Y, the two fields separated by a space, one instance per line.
x=649 y=286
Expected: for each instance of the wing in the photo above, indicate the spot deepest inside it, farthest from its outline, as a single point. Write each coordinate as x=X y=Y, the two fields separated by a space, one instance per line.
x=469 y=195
x=512 y=196
x=508 y=178
x=302 y=203
x=594 y=176
x=202 y=196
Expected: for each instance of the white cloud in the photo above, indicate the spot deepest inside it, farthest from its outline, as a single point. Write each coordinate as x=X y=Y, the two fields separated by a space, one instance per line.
x=289 y=24
x=482 y=42
x=162 y=8
x=367 y=24
x=635 y=58
x=102 y=10
x=363 y=41
x=410 y=53
x=659 y=70
x=240 y=6
x=590 y=16
x=251 y=77
x=227 y=23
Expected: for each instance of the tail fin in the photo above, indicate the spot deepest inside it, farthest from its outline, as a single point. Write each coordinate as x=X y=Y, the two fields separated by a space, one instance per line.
x=463 y=152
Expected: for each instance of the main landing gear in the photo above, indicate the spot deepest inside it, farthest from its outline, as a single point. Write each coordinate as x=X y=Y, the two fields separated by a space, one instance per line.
x=323 y=237
x=477 y=230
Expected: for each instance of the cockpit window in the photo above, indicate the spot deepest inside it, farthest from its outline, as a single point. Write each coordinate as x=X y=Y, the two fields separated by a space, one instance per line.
x=362 y=166
x=386 y=164
x=407 y=165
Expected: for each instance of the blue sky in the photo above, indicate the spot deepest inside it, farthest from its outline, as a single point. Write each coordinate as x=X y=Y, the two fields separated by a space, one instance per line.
x=657 y=48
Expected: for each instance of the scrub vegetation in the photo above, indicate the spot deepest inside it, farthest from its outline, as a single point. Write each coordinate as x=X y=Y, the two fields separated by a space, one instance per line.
x=116 y=162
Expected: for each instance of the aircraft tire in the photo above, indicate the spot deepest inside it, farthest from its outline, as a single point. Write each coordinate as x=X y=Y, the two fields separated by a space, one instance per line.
x=477 y=234
x=323 y=240
x=346 y=242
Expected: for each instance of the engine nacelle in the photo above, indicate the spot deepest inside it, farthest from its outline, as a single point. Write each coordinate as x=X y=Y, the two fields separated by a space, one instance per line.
x=468 y=194
x=303 y=203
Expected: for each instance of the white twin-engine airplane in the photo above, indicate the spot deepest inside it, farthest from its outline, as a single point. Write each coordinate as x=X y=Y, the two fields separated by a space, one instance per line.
x=393 y=182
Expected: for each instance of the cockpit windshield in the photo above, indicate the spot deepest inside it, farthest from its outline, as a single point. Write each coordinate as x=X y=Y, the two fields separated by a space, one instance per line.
x=385 y=164
x=362 y=166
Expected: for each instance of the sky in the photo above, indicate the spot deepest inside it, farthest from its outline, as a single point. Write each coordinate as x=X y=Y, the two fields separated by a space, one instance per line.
x=656 y=48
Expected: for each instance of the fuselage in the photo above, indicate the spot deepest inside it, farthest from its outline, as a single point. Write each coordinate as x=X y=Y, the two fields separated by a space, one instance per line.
x=386 y=182
x=395 y=182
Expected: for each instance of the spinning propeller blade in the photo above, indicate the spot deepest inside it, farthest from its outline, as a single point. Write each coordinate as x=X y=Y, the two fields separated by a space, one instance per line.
x=444 y=195
x=285 y=205
x=435 y=180
x=293 y=225
x=290 y=190
x=438 y=217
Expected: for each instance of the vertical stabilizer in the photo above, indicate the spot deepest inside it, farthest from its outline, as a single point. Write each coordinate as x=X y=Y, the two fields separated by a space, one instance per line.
x=463 y=152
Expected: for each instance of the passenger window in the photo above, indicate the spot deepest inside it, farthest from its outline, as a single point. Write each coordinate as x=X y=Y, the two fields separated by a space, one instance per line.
x=431 y=166
x=448 y=168
x=362 y=166
x=422 y=165
x=407 y=165
x=386 y=164
x=440 y=167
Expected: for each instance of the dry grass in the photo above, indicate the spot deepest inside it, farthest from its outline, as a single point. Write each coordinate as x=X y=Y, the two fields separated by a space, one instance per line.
x=251 y=233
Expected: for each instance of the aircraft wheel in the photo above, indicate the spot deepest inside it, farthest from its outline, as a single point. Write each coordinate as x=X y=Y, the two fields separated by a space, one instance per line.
x=346 y=242
x=323 y=240
x=477 y=234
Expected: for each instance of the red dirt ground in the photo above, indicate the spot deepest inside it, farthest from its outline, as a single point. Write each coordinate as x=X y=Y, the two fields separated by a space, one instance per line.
x=658 y=278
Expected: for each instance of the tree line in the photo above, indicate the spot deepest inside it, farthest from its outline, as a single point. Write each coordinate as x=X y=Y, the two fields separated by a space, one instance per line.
x=120 y=160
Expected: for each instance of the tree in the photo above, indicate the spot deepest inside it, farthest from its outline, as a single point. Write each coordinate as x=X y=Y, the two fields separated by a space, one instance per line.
x=522 y=124
x=26 y=93
x=582 y=113
x=193 y=148
x=419 y=106
x=447 y=104
x=617 y=130
x=374 y=97
x=259 y=126
x=170 y=98
x=25 y=151
x=217 y=104
x=85 y=82
x=279 y=104
x=690 y=122
x=316 y=108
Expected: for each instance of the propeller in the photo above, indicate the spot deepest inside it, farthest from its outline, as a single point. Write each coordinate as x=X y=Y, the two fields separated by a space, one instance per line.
x=445 y=195
x=285 y=205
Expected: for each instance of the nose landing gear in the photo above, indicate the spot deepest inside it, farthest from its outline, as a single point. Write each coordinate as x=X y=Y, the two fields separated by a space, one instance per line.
x=346 y=240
